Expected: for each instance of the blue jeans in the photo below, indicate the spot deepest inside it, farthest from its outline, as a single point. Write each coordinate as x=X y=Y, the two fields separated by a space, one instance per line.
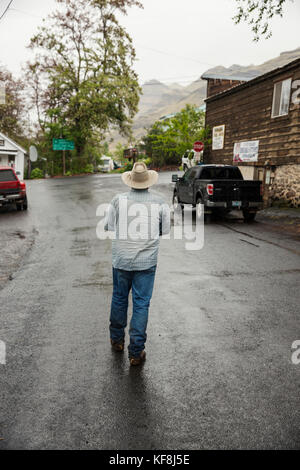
x=141 y=283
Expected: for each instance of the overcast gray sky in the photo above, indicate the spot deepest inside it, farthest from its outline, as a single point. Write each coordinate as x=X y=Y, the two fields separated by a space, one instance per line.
x=175 y=40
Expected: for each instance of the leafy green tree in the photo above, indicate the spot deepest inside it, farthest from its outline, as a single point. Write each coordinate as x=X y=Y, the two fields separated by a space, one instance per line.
x=12 y=112
x=167 y=140
x=119 y=152
x=82 y=79
x=258 y=13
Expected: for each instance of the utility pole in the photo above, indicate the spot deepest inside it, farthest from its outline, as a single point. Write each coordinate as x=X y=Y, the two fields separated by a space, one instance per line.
x=64 y=162
x=29 y=169
x=63 y=156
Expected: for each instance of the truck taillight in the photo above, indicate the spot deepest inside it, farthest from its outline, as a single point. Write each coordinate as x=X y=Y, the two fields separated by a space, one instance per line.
x=210 y=189
x=22 y=187
x=261 y=190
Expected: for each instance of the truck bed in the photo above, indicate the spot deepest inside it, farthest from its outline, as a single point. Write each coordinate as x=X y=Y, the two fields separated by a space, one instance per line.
x=234 y=190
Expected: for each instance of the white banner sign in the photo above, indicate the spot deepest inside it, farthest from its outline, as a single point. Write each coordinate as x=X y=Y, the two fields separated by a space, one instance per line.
x=218 y=135
x=246 y=151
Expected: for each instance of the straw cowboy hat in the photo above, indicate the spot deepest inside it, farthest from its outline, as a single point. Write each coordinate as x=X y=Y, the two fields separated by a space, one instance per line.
x=140 y=177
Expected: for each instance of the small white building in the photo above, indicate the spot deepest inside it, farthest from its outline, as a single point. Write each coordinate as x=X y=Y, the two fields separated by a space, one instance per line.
x=12 y=154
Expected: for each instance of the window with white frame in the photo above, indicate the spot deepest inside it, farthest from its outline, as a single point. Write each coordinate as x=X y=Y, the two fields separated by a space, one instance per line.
x=281 y=98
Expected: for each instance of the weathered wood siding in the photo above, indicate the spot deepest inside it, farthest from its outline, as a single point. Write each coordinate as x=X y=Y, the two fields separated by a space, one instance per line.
x=247 y=116
x=216 y=85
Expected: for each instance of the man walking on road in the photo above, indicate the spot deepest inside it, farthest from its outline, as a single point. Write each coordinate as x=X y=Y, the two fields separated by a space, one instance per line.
x=138 y=218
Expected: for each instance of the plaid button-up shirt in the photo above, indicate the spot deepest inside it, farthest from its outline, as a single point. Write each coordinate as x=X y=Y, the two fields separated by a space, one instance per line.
x=138 y=218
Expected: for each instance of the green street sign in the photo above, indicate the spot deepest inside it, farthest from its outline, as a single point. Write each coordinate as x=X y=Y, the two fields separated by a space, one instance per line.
x=63 y=144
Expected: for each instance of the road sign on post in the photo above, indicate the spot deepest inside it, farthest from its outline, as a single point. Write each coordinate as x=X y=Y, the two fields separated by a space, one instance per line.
x=63 y=144
x=198 y=146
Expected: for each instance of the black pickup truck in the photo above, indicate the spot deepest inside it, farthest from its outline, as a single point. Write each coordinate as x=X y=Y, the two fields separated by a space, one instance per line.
x=220 y=188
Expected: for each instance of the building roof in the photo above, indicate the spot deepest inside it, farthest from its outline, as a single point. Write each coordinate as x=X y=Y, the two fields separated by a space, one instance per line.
x=235 y=76
x=254 y=81
x=12 y=142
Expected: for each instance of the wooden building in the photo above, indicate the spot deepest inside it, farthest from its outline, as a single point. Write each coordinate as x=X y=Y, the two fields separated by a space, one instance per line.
x=217 y=82
x=256 y=125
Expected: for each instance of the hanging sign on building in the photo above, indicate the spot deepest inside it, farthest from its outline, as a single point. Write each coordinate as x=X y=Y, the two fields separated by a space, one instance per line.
x=218 y=135
x=246 y=151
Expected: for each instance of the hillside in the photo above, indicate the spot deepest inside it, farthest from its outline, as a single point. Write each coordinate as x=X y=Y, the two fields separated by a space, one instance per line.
x=255 y=70
x=159 y=99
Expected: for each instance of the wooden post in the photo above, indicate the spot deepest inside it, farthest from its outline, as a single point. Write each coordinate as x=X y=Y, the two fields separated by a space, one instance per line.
x=29 y=169
x=64 y=162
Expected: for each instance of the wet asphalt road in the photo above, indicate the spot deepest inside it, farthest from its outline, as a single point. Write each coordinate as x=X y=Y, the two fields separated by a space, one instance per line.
x=222 y=321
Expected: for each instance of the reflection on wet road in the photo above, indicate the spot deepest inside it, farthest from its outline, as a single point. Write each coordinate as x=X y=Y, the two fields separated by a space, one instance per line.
x=218 y=372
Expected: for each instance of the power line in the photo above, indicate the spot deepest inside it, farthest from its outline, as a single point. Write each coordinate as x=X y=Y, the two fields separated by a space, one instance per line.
x=143 y=47
x=26 y=13
x=175 y=55
x=6 y=10
x=177 y=77
x=160 y=82
x=140 y=45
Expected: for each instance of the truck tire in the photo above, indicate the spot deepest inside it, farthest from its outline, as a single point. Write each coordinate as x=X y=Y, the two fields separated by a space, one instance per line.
x=248 y=216
x=176 y=202
x=208 y=218
x=23 y=206
x=199 y=207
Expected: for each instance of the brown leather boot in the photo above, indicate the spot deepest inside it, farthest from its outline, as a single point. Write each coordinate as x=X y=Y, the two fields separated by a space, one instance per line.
x=117 y=346
x=137 y=361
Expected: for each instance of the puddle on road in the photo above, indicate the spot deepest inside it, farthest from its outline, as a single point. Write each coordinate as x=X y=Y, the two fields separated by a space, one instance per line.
x=264 y=274
x=81 y=229
x=18 y=234
x=85 y=197
x=80 y=248
x=101 y=283
x=99 y=278
x=14 y=247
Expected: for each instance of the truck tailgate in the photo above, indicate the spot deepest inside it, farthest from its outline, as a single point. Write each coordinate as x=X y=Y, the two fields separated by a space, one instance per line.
x=8 y=183
x=236 y=190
